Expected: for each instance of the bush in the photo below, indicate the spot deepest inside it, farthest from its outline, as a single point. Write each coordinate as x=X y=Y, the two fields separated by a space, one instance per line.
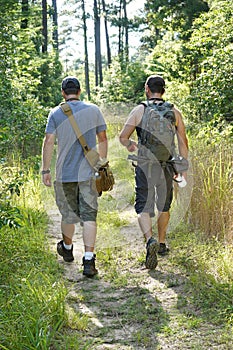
x=122 y=83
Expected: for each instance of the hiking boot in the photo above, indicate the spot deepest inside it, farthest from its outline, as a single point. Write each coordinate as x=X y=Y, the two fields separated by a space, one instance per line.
x=65 y=253
x=89 y=267
x=163 y=249
x=151 y=255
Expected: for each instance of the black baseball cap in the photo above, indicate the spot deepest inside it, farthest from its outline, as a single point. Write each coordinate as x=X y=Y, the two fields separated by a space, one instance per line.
x=70 y=84
x=155 y=80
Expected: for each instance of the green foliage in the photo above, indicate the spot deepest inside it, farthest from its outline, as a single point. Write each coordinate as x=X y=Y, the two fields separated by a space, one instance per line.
x=27 y=80
x=23 y=124
x=13 y=184
x=10 y=185
x=121 y=84
x=31 y=296
x=49 y=90
x=9 y=216
x=167 y=58
x=210 y=64
x=173 y=16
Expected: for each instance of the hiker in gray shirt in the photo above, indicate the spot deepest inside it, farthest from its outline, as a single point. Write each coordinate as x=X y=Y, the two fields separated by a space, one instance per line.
x=76 y=195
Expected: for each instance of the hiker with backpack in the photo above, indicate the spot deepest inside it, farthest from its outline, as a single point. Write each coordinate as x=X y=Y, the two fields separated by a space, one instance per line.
x=157 y=124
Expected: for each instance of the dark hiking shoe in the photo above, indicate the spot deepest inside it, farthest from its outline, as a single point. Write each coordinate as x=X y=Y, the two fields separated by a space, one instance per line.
x=65 y=253
x=89 y=269
x=151 y=255
x=163 y=249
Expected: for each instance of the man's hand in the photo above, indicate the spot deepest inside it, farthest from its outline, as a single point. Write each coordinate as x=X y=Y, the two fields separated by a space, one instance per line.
x=47 y=180
x=132 y=146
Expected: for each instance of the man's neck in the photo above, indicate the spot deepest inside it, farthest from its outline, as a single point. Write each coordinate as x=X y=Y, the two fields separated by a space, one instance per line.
x=72 y=97
x=155 y=96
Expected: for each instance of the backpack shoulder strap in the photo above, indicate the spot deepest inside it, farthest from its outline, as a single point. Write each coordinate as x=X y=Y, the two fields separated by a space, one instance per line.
x=168 y=105
x=144 y=103
x=162 y=107
x=162 y=103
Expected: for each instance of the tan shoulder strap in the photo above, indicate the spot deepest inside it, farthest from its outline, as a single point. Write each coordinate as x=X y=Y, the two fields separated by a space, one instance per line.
x=91 y=155
x=67 y=110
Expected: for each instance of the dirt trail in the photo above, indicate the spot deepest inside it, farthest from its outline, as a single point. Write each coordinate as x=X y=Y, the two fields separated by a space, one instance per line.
x=153 y=310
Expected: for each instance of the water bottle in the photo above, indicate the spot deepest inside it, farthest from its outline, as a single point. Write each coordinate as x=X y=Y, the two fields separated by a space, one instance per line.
x=181 y=181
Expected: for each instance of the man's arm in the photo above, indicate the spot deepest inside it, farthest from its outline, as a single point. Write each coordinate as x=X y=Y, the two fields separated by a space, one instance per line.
x=102 y=144
x=181 y=134
x=47 y=152
x=129 y=127
x=181 y=137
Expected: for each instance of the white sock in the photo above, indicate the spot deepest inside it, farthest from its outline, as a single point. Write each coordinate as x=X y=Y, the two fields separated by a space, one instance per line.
x=67 y=246
x=88 y=255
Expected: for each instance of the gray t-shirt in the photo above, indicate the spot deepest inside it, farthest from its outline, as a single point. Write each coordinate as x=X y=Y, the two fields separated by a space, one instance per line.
x=71 y=164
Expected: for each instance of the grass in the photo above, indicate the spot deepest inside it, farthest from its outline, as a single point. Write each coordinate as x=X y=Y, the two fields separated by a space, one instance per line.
x=209 y=265
x=38 y=313
x=31 y=291
x=212 y=198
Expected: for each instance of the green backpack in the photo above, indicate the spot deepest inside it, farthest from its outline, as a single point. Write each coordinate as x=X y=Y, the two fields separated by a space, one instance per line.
x=157 y=136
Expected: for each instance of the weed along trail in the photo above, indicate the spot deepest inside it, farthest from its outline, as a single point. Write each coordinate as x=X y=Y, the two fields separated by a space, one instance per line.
x=127 y=306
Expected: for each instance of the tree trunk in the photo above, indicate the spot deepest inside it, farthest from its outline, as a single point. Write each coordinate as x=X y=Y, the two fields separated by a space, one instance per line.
x=87 y=83
x=95 y=36
x=55 y=26
x=25 y=8
x=126 y=27
x=98 y=61
x=44 y=27
x=109 y=57
x=120 y=30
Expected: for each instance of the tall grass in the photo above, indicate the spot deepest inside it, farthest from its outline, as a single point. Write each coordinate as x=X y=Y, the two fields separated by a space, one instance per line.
x=212 y=198
x=31 y=292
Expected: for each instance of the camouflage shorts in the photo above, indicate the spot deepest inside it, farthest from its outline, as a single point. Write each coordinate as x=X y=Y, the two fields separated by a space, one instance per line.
x=76 y=201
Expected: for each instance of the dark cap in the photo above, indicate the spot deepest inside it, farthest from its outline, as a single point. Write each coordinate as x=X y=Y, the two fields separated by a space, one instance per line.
x=70 y=84
x=155 y=80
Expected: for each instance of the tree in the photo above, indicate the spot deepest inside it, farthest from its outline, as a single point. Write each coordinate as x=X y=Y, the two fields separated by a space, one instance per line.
x=55 y=25
x=25 y=9
x=109 y=56
x=176 y=16
x=98 y=59
x=44 y=27
x=86 y=62
x=126 y=28
x=119 y=19
x=123 y=31
x=123 y=86
x=27 y=78
x=209 y=64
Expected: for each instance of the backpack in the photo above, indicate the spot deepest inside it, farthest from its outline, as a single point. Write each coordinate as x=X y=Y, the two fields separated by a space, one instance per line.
x=157 y=135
